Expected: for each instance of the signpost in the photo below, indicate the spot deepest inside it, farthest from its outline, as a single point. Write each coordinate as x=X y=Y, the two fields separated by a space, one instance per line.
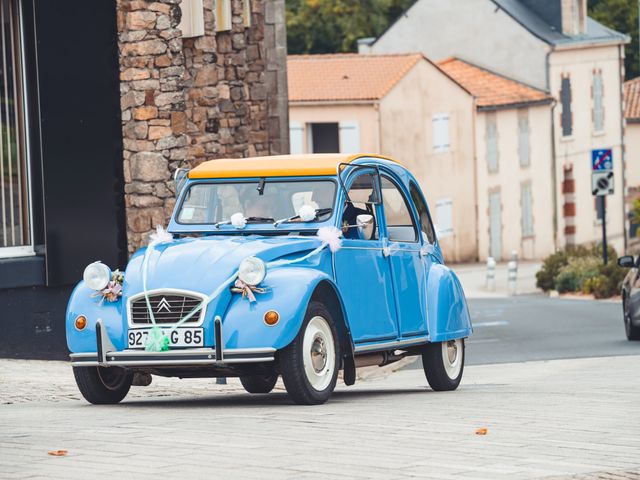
x=601 y=186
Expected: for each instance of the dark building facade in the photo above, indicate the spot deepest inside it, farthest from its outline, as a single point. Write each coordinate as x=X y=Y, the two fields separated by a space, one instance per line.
x=101 y=102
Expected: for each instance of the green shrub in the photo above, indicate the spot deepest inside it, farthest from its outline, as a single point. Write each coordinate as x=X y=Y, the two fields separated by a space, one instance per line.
x=546 y=277
x=601 y=286
x=567 y=281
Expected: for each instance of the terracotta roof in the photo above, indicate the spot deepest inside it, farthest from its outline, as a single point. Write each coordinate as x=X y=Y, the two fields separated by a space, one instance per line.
x=344 y=77
x=490 y=89
x=276 y=165
x=632 y=99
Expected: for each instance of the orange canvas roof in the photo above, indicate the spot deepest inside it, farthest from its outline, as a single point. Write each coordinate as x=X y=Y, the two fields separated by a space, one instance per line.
x=275 y=166
x=344 y=77
x=491 y=89
x=632 y=99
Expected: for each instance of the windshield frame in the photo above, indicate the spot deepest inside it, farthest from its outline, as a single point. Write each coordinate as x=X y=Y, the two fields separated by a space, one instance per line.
x=286 y=227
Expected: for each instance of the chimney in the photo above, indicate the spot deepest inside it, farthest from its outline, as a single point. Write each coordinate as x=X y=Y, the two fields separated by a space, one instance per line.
x=574 y=17
x=564 y=16
x=364 y=44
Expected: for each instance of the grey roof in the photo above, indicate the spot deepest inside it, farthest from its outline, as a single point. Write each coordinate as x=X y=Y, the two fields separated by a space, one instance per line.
x=596 y=32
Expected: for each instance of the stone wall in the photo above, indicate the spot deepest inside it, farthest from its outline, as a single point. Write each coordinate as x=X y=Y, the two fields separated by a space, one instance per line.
x=184 y=101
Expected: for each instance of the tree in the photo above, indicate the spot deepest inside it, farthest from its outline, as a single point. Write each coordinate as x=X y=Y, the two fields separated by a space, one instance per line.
x=620 y=15
x=323 y=26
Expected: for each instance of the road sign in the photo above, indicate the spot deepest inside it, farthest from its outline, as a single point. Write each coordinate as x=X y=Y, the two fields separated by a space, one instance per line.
x=601 y=159
x=601 y=183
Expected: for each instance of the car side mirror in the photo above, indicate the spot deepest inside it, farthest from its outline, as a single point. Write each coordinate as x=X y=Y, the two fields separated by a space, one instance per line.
x=180 y=178
x=626 y=261
x=364 y=223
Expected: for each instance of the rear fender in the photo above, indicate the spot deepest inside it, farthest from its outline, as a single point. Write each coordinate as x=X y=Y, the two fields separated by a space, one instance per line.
x=448 y=313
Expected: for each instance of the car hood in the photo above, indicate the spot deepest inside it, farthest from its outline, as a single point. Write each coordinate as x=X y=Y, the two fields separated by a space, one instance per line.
x=203 y=264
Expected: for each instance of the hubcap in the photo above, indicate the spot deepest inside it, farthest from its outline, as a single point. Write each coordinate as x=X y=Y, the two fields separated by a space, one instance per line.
x=452 y=354
x=112 y=378
x=319 y=353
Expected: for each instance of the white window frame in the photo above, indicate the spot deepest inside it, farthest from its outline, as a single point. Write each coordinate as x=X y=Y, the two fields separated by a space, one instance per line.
x=296 y=138
x=440 y=132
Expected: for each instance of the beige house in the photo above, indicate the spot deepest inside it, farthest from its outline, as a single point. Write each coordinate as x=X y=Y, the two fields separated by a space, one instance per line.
x=632 y=148
x=513 y=163
x=554 y=46
x=403 y=106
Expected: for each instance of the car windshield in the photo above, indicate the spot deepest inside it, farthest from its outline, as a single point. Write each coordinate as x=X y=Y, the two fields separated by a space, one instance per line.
x=261 y=201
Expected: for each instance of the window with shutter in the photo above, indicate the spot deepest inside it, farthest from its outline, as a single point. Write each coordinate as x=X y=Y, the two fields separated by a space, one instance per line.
x=444 y=217
x=523 y=137
x=440 y=131
x=565 y=101
x=491 y=137
x=527 y=211
x=192 y=20
x=246 y=13
x=598 y=107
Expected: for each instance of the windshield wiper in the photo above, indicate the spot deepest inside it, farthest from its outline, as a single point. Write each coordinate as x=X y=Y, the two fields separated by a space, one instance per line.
x=319 y=213
x=259 y=219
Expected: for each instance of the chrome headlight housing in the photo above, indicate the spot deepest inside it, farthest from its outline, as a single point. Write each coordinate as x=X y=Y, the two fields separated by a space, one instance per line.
x=97 y=276
x=252 y=271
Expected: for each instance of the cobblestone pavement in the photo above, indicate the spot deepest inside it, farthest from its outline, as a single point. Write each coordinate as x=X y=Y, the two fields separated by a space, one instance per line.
x=559 y=419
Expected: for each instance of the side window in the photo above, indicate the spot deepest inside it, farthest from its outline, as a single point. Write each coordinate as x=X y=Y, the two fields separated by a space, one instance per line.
x=361 y=194
x=426 y=227
x=397 y=214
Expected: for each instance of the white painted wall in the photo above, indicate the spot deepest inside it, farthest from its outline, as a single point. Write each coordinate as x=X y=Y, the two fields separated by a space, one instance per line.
x=508 y=180
x=474 y=30
x=576 y=150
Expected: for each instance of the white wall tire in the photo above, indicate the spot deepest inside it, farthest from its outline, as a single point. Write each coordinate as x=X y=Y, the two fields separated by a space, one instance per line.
x=443 y=364
x=309 y=365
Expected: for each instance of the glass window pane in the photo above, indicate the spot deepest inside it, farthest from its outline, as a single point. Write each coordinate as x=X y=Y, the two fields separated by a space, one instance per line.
x=426 y=226
x=361 y=194
x=14 y=198
x=400 y=225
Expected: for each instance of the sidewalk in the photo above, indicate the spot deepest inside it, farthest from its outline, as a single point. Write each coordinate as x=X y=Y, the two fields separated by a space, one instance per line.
x=543 y=419
x=473 y=277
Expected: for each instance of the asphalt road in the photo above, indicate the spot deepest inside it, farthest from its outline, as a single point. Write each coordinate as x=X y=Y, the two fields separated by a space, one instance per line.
x=536 y=327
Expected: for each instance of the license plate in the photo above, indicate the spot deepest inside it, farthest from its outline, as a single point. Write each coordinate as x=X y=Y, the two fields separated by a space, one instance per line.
x=180 y=337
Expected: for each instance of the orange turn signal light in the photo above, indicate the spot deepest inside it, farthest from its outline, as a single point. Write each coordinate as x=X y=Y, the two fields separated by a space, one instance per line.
x=81 y=322
x=271 y=318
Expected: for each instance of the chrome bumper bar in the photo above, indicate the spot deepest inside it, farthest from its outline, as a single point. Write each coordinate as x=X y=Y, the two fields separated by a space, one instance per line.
x=106 y=354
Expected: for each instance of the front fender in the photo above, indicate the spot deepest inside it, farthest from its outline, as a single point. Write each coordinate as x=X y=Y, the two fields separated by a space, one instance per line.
x=83 y=302
x=289 y=292
x=448 y=313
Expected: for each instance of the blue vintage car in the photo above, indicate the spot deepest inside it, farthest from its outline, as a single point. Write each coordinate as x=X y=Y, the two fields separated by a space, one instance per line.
x=298 y=266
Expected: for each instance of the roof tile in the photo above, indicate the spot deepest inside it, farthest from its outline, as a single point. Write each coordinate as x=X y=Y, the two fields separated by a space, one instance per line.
x=632 y=99
x=346 y=77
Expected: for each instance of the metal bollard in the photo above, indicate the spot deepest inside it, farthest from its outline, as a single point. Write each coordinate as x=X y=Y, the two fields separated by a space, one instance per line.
x=491 y=274
x=512 y=276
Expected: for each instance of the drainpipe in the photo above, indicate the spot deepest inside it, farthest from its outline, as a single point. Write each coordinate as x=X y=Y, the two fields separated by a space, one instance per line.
x=554 y=166
x=622 y=147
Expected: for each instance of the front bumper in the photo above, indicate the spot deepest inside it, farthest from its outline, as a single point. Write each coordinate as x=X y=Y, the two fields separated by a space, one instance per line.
x=106 y=354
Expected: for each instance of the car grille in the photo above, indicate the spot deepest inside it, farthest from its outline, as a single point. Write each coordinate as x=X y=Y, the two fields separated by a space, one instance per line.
x=167 y=308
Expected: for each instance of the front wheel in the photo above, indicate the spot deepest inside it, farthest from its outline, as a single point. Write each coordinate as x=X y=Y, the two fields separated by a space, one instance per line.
x=259 y=383
x=443 y=364
x=309 y=365
x=100 y=385
x=633 y=332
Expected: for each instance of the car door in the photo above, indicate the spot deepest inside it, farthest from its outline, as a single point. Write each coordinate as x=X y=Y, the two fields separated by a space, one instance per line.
x=362 y=270
x=408 y=268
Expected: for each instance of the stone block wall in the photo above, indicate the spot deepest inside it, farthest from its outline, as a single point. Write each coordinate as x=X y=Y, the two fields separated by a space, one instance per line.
x=184 y=101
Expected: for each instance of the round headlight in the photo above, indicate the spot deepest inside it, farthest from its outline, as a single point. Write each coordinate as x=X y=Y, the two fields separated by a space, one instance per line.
x=252 y=271
x=97 y=276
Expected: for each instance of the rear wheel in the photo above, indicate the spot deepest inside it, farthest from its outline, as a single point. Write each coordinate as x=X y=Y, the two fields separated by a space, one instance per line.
x=100 y=385
x=443 y=364
x=310 y=363
x=259 y=383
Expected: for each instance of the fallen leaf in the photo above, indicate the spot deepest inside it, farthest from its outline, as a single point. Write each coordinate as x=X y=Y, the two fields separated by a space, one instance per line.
x=57 y=453
x=481 y=431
